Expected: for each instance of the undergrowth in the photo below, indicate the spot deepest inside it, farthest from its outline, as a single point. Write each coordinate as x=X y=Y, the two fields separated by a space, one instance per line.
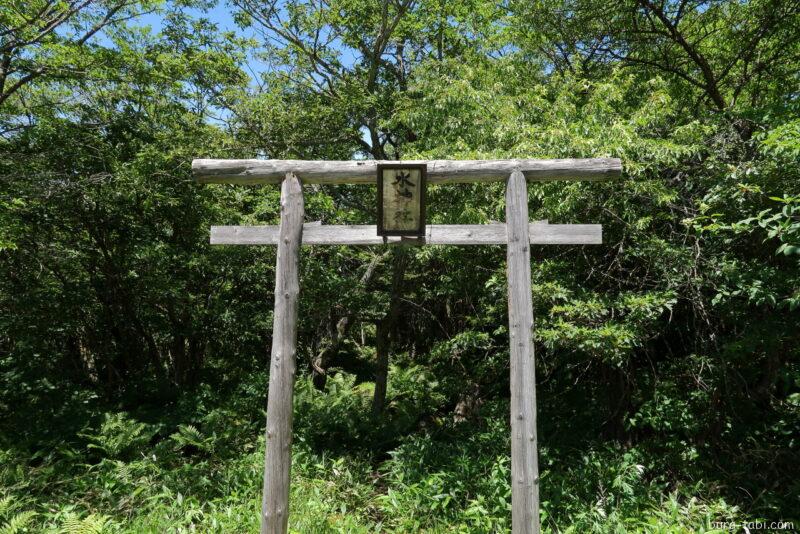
x=197 y=467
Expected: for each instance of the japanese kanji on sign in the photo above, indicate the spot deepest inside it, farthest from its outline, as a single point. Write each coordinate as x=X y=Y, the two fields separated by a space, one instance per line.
x=401 y=199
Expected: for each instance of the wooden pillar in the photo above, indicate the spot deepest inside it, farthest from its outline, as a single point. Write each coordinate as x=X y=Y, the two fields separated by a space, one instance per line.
x=524 y=461
x=278 y=455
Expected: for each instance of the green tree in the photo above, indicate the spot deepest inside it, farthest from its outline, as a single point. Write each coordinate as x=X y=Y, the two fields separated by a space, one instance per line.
x=727 y=54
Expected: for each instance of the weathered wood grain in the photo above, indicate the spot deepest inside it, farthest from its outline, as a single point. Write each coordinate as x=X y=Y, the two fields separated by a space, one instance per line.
x=524 y=461
x=541 y=233
x=272 y=171
x=278 y=456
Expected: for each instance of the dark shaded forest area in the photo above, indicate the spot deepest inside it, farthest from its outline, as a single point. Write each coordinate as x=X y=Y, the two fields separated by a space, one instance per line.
x=134 y=356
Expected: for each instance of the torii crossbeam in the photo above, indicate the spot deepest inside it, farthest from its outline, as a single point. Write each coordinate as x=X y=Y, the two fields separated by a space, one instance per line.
x=518 y=233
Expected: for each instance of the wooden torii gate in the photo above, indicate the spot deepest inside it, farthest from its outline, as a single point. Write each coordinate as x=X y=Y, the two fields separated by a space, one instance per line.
x=517 y=234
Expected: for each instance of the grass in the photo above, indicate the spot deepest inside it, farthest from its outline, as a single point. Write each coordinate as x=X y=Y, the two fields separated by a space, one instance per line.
x=197 y=467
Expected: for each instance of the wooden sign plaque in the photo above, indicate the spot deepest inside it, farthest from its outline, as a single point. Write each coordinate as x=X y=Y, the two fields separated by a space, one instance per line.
x=401 y=199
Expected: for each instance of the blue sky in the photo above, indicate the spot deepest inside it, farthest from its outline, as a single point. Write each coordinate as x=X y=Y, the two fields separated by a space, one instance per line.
x=219 y=14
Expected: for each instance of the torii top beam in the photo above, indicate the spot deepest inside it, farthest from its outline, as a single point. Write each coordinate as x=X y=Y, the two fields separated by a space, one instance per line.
x=273 y=171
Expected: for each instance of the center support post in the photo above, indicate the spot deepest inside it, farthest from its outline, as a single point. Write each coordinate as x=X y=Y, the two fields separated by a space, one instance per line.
x=278 y=454
x=524 y=461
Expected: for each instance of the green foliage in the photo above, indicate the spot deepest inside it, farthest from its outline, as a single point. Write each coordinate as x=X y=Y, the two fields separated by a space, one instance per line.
x=610 y=331
x=132 y=355
x=91 y=524
x=119 y=437
x=188 y=436
x=452 y=476
x=12 y=519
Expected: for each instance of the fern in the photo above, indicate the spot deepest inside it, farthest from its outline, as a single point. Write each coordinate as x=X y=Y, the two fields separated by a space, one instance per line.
x=6 y=505
x=91 y=524
x=11 y=524
x=17 y=523
x=190 y=436
x=119 y=436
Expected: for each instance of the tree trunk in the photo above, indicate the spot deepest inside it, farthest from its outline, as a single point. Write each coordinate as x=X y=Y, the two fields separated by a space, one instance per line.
x=618 y=387
x=381 y=365
x=320 y=364
x=386 y=328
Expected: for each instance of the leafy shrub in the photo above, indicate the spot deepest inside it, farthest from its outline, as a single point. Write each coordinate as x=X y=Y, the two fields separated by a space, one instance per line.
x=119 y=437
